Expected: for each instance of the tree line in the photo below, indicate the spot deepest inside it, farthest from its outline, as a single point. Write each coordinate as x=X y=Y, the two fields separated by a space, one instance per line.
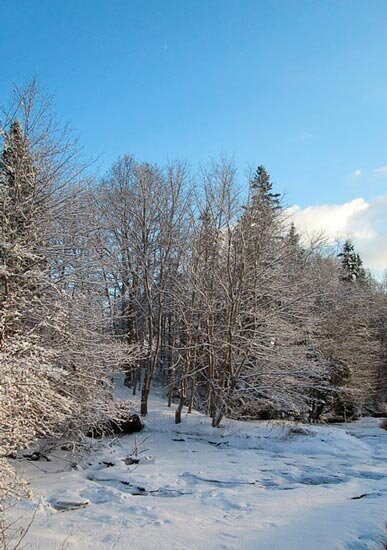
x=192 y=282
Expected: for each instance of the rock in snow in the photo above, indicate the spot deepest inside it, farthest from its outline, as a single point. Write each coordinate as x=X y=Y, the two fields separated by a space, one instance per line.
x=69 y=504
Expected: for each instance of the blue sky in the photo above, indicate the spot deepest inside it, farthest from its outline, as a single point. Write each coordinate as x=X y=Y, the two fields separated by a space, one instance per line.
x=299 y=86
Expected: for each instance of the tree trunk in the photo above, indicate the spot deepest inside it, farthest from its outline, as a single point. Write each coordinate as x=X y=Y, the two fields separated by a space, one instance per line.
x=144 y=401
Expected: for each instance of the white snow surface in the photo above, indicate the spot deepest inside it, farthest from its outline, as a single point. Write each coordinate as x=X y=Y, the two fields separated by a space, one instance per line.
x=245 y=485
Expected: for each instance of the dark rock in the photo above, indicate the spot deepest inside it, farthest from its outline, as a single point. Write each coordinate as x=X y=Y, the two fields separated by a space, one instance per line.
x=131 y=460
x=36 y=455
x=64 y=505
x=130 y=425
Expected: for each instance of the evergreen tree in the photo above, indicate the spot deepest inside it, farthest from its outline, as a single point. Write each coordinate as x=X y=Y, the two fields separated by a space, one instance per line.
x=293 y=237
x=262 y=189
x=261 y=223
x=351 y=263
x=20 y=260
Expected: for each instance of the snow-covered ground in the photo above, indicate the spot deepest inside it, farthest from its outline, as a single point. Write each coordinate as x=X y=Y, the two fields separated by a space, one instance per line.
x=243 y=486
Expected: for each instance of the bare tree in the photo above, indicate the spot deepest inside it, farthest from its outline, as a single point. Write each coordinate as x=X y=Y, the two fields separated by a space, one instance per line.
x=143 y=210
x=56 y=358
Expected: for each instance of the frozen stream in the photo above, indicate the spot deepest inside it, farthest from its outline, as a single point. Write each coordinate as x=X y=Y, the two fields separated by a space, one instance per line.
x=243 y=486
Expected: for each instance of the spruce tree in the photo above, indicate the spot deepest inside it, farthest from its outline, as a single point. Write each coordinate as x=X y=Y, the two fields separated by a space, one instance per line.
x=20 y=260
x=351 y=263
x=262 y=189
x=293 y=237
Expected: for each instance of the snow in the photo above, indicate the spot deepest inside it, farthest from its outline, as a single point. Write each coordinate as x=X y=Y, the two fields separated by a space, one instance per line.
x=245 y=485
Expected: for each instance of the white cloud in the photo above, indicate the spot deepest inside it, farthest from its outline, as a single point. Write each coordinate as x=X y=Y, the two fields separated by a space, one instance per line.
x=381 y=171
x=357 y=173
x=365 y=223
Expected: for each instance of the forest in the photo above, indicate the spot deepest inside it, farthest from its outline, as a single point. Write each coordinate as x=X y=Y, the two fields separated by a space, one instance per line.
x=194 y=282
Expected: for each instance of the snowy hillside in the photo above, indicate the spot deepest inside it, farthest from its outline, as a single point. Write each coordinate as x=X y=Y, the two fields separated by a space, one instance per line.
x=242 y=486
